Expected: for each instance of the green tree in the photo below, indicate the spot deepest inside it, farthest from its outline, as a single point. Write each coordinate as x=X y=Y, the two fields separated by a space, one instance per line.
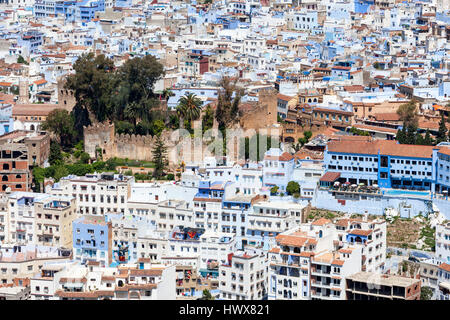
x=442 y=132
x=55 y=156
x=302 y=141
x=59 y=172
x=307 y=135
x=111 y=164
x=159 y=157
x=408 y=114
x=401 y=135
x=60 y=123
x=20 y=59
x=98 y=166
x=411 y=134
x=428 y=140
x=208 y=118
x=85 y=157
x=228 y=100
x=426 y=293
x=274 y=190
x=190 y=107
x=93 y=85
x=292 y=187
x=157 y=127
x=139 y=75
x=206 y=295
x=167 y=93
x=124 y=127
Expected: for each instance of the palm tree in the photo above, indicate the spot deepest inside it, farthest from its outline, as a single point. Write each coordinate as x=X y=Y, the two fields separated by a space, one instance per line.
x=181 y=113
x=167 y=93
x=134 y=111
x=190 y=106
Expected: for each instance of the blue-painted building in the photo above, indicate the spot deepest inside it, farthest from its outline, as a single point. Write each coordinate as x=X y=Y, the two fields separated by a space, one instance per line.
x=6 y=119
x=363 y=6
x=385 y=163
x=71 y=10
x=92 y=240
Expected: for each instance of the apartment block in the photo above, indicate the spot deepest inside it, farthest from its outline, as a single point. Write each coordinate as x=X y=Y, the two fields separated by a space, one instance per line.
x=374 y=286
x=96 y=194
x=23 y=261
x=53 y=220
x=443 y=242
x=244 y=277
x=92 y=240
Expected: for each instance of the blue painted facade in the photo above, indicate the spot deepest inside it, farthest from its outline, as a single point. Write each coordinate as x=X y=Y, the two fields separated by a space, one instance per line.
x=362 y=6
x=386 y=170
x=90 y=240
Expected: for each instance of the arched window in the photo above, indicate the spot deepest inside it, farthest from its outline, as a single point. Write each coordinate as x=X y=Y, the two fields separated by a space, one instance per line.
x=5 y=166
x=32 y=127
x=5 y=177
x=18 y=186
x=4 y=187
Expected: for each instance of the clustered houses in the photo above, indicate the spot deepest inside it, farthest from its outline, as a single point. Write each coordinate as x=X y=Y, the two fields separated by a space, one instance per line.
x=68 y=281
x=244 y=276
x=20 y=151
x=340 y=70
x=313 y=261
x=96 y=193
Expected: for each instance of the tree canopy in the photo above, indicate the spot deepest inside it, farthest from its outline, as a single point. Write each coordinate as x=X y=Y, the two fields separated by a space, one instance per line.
x=408 y=114
x=61 y=124
x=104 y=92
x=229 y=97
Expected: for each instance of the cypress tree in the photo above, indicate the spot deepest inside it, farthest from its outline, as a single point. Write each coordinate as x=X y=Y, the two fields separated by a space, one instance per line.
x=442 y=132
x=159 y=157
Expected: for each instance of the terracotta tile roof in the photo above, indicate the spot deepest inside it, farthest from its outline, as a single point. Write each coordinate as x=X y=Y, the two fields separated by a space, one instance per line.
x=444 y=150
x=360 y=232
x=338 y=262
x=342 y=222
x=34 y=109
x=146 y=272
x=330 y=176
x=385 y=147
x=284 y=97
x=387 y=116
x=93 y=294
x=445 y=266
x=40 y=81
x=354 y=88
x=321 y=222
x=295 y=241
x=340 y=68
x=129 y=287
